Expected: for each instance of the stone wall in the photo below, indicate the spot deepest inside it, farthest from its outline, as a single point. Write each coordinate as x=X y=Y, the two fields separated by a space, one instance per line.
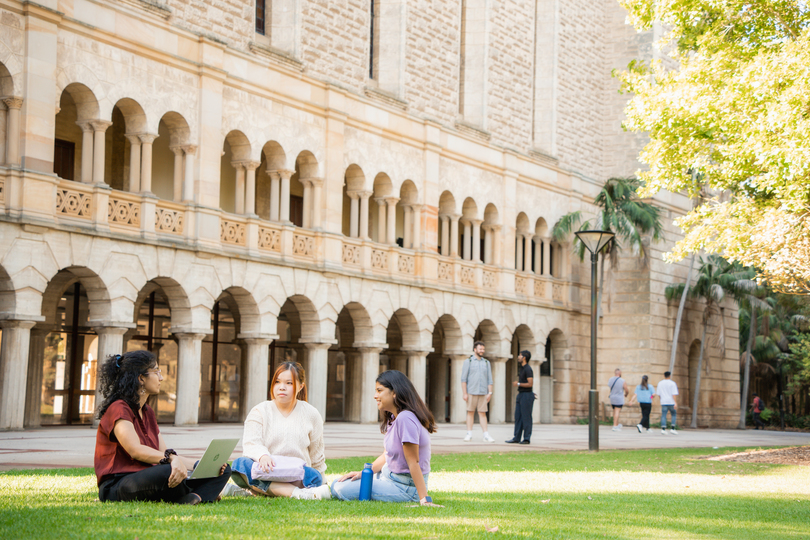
x=231 y=21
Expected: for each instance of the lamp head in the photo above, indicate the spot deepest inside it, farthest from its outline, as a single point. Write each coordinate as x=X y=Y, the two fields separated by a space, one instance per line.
x=595 y=240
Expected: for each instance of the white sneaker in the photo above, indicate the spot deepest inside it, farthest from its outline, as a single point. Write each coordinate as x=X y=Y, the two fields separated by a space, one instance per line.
x=487 y=438
x=648 y=430
x=663 y=431
x=468 y=437
x=638 y=426
x=232 y=490
x=616 y=428
x=672 y=431
x=620 y=427
x=313 y=494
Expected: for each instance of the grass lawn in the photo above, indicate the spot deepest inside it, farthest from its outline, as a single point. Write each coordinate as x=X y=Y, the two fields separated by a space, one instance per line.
x=613 y=494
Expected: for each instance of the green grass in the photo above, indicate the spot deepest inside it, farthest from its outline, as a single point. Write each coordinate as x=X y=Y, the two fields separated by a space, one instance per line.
x=612 y=494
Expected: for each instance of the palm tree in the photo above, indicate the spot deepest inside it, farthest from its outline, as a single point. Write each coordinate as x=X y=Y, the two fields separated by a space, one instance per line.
x=716 y=279
x=621 y=212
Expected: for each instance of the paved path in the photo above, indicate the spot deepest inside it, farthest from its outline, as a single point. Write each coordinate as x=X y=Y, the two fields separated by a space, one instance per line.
x=73 y=446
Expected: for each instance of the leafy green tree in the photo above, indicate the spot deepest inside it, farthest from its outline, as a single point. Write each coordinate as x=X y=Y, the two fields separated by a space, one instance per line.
x=731 y=102
x=622 y=212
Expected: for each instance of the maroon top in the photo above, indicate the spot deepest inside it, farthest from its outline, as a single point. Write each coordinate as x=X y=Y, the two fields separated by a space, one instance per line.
x=111 y=458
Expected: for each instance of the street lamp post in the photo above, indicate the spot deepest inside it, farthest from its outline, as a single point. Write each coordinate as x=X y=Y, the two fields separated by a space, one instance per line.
x=594 y=241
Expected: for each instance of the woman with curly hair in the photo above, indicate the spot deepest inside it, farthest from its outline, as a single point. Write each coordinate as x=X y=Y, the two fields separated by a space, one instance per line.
x=132 y=462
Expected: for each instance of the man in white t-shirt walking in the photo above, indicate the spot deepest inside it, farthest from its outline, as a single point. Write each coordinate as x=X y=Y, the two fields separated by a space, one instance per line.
x=666 y=391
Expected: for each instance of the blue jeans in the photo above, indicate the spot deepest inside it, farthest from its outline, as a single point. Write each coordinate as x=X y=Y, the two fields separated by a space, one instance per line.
x=671 y=409
x=243 y=465
x=387 y=487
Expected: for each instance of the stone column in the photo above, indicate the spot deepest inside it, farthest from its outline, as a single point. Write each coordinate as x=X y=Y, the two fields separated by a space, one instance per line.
x=87 y=151
x=438 y=387
x=317 y=189
x=110 y=341
x=369 y=370
x=256 y=375
x=417 y=371
x=519 y=254
x=465 y=249
x=318 y=360
x=364 y=196
x=497 y=258
x=307 y=217
x=284 y=202
x=189 y=351
x=250 y=187
x=416 y=242
x=134 y=162
x=381 y=219
x=538 y=250
x=407 y=227
x=454 y=235
x=398 y=360
x=445 y=234
x=535 y=365
x=13 y=372
x=497 y=405
x=239 y=188
x=99 y=151
x=476 y=240
x=527 y=253
x=487 y=244
x=352 y=386
x=188 y=180
x=391 y=215
x=146 y=161
x=275 y=180
x=3 y=139
x=177 y=178
x=33 y=391
x=354 y=227
x=546 y=256
x=458 y=407
x=14 y=105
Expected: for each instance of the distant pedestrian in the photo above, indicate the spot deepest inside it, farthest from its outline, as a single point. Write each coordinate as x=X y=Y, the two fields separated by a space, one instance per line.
x=618 y=391
x=524 y=401
x=644 y=394
x=476 y=389
x=756 y=408
x=667 y=390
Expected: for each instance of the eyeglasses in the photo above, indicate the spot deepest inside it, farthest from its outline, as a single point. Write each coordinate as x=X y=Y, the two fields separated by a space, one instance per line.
x=157 y=371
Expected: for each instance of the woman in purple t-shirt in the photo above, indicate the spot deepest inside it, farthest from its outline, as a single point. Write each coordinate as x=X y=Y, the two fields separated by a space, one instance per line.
x=401 y=472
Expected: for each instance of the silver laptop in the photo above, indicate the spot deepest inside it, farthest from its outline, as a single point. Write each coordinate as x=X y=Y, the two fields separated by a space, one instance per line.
x=218 y=452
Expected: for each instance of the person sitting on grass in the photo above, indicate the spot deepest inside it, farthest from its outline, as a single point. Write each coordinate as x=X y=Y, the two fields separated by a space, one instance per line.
x=401 y=472
x=285 y=426
x=131 y=459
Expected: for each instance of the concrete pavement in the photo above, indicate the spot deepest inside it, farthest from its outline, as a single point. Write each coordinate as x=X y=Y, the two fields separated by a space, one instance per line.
x=73 y=446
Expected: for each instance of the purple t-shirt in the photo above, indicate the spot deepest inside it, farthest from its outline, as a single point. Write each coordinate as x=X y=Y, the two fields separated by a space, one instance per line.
x=406 y=429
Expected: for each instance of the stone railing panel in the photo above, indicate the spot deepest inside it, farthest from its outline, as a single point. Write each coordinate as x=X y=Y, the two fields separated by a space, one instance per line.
x=406 y=264
x=521 y=285
x=379 y=259
x=270 y=239
x=351 y=254
x=168 y=220
x=445 y=271
x=123 y=212
x=2 y=190
x=73 y=203
x=557 y=292
x=303 y=245
x=539 y=288
x=467 y=275
x=233 y=232
x=490 y=279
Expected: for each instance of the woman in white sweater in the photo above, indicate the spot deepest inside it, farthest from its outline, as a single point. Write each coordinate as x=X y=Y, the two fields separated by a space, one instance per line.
x=286 y=426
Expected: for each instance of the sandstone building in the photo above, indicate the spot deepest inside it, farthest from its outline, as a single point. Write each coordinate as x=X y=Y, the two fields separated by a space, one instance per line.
x=356 y=185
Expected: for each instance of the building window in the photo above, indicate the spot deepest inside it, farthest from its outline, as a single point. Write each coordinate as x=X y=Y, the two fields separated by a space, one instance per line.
x=373 y=49
x=63 y=156
x=260 y=16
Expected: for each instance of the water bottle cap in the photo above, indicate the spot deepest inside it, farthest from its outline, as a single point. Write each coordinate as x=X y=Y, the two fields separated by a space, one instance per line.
x=368 y=466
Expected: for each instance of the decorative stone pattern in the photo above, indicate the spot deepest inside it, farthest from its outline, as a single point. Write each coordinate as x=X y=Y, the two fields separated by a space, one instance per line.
x=405 y=264
x=557 y=292
x=351 y=254
x=168 y=221
x=124 y=212
x=490 y=280
x=467 y=275
x=73 y=203
x=445 y=271
x=521 y=285
x=539 y=288
x=379 y=259
x=303 y=245
x=233 y=233
x=269 y=239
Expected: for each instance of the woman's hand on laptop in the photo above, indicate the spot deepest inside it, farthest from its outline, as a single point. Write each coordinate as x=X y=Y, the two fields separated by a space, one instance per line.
x=266 y=463
x=179 y=472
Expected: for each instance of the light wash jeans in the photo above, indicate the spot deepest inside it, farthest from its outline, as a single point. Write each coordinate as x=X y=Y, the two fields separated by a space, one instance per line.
x=241 y=472
x=671 y=409
x=387 y=487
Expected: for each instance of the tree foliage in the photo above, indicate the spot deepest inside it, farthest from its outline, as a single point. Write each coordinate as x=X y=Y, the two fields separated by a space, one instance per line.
x=731 y=101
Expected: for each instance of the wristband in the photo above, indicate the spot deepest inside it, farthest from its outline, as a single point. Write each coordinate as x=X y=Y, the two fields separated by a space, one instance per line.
x=166 y=457
x=427 y=499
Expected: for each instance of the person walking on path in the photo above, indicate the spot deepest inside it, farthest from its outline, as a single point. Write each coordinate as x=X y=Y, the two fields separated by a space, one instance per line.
x=644 y=394
x=618 y=391
x=667 y=390
x=476 y=389
x=524 y=401
x=756 y=408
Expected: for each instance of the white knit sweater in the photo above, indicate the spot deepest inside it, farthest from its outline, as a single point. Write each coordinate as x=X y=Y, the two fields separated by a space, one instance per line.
x=268 y=432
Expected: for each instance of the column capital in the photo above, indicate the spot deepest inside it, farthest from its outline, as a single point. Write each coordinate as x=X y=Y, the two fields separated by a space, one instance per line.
x=500 y=359
x=257 y=341
x=177 y=150
x=391 y=201
x=133 y=138
x=459 y=357
x=238 y=164
x=454 y=217
x=13 y=102
x=285 y=173
x=380 y=201
x=100 y=125
x=251 y=165
x=147 y=138
x=418 y=353
x=189 y=149
x=465 y=221
x=317 y=346
x=190 y=333
x=16 y=323
x=354 y=195
x=102 y=327
x=86 y=125
x=476 y=221
x=365 y=194
x=314 y=181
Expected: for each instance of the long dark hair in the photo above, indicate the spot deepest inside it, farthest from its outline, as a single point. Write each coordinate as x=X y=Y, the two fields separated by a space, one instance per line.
x=119 y=378
x=405 y=399
x=644 y=380
x=299 y=379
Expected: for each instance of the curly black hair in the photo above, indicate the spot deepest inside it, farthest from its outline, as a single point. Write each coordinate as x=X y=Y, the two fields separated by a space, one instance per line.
x=119 y=378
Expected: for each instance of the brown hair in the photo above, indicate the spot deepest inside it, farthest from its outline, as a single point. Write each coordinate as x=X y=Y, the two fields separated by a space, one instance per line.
x=299 y=379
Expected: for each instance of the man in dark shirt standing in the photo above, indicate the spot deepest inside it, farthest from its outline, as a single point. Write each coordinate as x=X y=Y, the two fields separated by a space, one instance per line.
x=524 y=401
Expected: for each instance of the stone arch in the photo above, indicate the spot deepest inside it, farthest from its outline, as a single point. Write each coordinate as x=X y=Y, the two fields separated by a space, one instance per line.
x=410 y=335
x=84 y=99
x=488 y=333
x=8 y=298
x=274 y=156
x=541 y=228
x=173 y=133
x=307 y=315
x=306 y=165
x=354 y=181
x=134 y=117
x=98 y=296
x=447 y=203
x=247 y=309
x=522 y=223
x=177 y=297
x=383 y=187
x=491 y=215
x=469 y=210
x=408 y=192
x=9 y=77
x=128 y=120
x=363 y=328
x=77 y=105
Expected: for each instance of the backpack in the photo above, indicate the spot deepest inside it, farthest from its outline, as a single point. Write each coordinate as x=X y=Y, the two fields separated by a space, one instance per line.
x=759 y=405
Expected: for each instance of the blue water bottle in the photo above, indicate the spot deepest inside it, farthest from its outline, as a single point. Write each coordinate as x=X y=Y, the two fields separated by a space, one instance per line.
x=366 y=479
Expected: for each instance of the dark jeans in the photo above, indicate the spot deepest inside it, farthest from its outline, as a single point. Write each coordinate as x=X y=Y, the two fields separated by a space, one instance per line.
x=645 y=414
x=757 y=422
x=523 y=415
x=152 y=484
